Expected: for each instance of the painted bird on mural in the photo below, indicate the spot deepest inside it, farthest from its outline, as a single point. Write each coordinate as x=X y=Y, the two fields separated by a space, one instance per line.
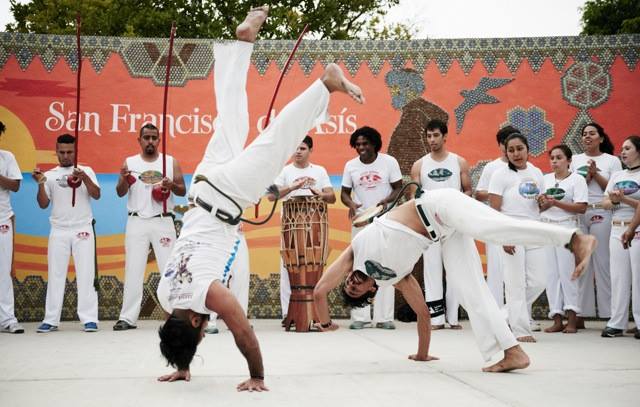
x=478 y=96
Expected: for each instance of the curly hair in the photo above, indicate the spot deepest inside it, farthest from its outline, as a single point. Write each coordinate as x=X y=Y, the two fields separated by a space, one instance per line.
x=178 y=342
x=369 y=133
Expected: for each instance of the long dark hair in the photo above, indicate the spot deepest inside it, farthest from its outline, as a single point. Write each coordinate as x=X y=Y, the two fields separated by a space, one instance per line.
x=178 y=342
x=514 y=136
x=606 y=146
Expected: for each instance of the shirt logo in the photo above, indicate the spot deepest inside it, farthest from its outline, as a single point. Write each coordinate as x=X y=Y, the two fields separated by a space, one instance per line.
x=440 y=174
x=62 y=181
x=83 y=235
x=5 y=228
x=309 y=183
x=370 y=180
x=597 y=219
x=165 y=241
x=377 y=271
x=555 y=193
x=150 y=177
x=528 y=189
x=180 y=272
x=627 y=187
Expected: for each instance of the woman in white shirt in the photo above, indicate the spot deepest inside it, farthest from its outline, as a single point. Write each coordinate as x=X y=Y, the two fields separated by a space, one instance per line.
x=514 y=190
x=623 y=197
x=596 y=164
x=566 y=195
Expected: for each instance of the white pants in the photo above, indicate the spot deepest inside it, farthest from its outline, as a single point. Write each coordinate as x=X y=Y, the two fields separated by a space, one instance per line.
x=383 y=302
x=524 y=281
x=495 y=274
x=596 y=222
x=7 y=315
x=285 y=288
x=433 y=287
x=459 y=219
x=562 y=291
x=63 y=243
x=140 y=233
x=625 y=279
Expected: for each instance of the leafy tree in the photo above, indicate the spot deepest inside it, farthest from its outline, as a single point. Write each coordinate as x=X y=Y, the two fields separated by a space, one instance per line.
x=611 y=17
x=327 y=19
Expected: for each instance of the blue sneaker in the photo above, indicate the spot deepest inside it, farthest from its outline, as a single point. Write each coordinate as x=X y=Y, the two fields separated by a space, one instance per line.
x=90 y=327
x=46 y=328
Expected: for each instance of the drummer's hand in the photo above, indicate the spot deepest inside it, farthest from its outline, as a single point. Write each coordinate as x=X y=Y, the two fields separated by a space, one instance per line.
x=509 y=249
x=299 y=183
x=383 y=204
x=353 y=209
x=315 y=191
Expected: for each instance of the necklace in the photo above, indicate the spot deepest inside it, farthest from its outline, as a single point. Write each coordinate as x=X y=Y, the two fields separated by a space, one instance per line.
x=633 y=168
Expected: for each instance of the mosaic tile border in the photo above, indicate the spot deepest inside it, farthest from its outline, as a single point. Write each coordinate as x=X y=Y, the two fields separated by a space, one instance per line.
x=194 y=58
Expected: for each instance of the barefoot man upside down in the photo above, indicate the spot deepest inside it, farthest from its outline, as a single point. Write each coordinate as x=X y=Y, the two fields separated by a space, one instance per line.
x=228 y=179
x=385 y=252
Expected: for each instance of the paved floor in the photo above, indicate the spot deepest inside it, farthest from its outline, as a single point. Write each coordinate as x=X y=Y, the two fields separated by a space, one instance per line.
x=342 y=368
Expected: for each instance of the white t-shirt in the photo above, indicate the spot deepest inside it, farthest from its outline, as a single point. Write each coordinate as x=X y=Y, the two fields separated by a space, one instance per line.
x=607 y=164
x=371 y=183
x=487 y=172
x=139 y=199
x=572 y=189
x=518 y=190
x=629 y=183
x=388 y=247
x=440 y=174
x=8 y=168
x=291 y=173
x=63 y=215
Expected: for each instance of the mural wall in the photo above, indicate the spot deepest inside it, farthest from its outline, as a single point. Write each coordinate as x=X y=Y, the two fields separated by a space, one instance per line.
x=548 y=87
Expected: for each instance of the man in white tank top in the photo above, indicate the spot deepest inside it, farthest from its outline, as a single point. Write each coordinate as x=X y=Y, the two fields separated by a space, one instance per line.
x=10 y=177
x=300 y=178
x=71 y=234
x=436 y=170
x=147 y=224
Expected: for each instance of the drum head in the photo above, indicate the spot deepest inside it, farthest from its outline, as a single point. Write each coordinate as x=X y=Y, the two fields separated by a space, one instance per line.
x=367 y=216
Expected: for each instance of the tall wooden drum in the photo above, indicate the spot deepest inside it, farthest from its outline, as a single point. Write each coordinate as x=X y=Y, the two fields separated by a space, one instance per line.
x=305 y=237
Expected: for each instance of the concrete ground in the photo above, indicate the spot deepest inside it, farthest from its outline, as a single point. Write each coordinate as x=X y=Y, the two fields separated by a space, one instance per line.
x=346 y=367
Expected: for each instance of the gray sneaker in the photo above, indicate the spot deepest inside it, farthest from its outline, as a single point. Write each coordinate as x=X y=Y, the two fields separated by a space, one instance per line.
x=386 y=325
x=359 y=325
x=14 y=328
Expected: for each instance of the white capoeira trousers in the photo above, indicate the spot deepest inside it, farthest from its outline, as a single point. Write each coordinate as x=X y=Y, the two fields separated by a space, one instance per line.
x=524 y=281
x=495 y=274
x=625 y=279
x=433 y=286
x=285 y=288
x=160 y=233
x=7 y=315
x=64 y=243
x=596 y=222
x=458 y=220
x=383 y=302
x=562 y=291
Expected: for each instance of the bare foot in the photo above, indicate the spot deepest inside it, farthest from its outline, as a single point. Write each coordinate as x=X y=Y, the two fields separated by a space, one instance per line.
x=631 y=330
x=514 y=358
x=436 y=327
x=248 y=30
x=570 y=329
x=527 y=338
x=582 y=246
x=580 y=323
x=335 y=81
x=557 y=324
x=455 y=326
